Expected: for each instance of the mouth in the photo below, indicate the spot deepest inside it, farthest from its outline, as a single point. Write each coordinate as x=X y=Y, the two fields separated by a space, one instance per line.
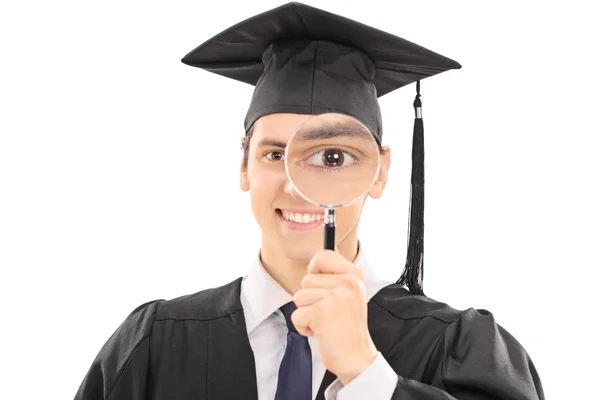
x=301 y=220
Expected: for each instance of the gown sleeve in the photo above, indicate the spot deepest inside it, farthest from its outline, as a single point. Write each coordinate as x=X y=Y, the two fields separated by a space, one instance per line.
x=476 y=359
x=120 y=368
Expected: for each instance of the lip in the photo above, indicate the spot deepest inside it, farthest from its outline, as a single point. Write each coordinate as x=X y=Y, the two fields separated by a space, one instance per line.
x=300 y=227
x=317 y=211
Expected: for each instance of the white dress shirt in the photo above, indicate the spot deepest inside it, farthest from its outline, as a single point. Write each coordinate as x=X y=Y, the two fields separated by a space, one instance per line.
x=261 y=298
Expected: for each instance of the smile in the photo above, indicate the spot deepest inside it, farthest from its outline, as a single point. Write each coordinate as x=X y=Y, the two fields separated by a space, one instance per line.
x=301 y=219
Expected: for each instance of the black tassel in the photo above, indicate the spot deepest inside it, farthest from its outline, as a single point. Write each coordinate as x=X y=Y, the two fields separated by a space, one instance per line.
x=412 y=276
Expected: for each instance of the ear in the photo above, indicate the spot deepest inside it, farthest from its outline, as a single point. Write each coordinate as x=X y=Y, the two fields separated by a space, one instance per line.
x=377 y=189
x=244 y=182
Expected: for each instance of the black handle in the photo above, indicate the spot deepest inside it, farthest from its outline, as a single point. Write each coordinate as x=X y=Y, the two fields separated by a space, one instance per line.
x=329 y=230
x=329 y=242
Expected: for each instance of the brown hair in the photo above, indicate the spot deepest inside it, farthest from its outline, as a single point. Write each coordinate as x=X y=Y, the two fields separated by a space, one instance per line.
x=246 y=146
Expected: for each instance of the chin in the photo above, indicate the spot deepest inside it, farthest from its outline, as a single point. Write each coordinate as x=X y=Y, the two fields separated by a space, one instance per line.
x=302 y=251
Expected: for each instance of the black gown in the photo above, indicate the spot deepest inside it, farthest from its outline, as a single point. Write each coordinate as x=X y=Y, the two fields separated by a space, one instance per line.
x=197 y=347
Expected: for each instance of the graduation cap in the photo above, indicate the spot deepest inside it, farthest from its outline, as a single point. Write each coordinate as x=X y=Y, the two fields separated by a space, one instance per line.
x=304 y=60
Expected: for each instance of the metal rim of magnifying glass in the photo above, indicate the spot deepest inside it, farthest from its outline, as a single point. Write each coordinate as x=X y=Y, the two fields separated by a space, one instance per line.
x=330 y=206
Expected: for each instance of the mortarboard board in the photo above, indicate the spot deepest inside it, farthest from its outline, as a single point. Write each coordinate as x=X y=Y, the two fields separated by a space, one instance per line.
x=304 y=60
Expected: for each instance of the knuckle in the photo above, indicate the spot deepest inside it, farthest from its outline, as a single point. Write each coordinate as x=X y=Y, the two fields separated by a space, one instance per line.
x=337 y=297
x=296 y=317
x=306 y=280
x=297 y=297
x=361 y=274
x=321 y=310
x=351 y=281
x=360 y=286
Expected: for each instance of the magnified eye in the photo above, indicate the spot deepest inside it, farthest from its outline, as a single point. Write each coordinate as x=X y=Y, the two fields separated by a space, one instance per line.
x=331 y=158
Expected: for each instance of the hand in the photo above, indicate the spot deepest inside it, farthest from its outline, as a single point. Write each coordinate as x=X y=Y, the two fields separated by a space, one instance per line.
x=332 y=307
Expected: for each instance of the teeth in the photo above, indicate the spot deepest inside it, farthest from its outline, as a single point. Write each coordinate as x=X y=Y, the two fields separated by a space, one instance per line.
x=302 y=218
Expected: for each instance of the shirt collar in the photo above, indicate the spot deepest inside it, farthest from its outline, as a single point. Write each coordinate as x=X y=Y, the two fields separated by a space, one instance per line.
x=261 y=295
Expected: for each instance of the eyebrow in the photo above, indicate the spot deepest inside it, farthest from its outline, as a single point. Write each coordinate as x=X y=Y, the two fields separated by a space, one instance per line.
x=272 y=142
x=329 y=132
x=320 y=133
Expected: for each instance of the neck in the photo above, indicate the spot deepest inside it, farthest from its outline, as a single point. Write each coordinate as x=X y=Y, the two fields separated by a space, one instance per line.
x=288 y=273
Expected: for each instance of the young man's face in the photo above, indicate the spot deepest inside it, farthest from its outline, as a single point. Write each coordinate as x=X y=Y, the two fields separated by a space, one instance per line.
x=273 y=197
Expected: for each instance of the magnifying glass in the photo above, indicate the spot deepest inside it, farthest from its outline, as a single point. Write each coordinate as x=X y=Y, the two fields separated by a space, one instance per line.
x=332 y=161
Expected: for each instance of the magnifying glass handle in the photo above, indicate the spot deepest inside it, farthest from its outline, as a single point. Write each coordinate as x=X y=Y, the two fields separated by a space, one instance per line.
x=329 y=229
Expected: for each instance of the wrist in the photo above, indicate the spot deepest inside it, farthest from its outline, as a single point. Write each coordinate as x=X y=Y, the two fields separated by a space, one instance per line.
x=359 y=366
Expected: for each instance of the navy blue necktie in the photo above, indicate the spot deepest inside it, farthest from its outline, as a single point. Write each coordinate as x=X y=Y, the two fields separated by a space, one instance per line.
x=295 y=371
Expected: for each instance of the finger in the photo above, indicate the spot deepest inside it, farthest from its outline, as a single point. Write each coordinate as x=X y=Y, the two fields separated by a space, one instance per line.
x=321 y=281
x=309 y=296
x=329 y=261
x=302 y=318
x=332 y=281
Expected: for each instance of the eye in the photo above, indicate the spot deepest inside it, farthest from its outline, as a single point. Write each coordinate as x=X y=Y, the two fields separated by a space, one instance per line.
x=331 y=158
x=274 y=155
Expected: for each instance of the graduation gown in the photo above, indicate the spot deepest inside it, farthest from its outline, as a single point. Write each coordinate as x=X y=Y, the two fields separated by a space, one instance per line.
x=197 y=347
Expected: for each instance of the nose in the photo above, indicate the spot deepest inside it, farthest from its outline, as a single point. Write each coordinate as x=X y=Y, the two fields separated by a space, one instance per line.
x=289 y=189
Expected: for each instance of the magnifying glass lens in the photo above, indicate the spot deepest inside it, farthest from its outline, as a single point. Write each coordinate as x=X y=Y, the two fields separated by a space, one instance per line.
x=332 y=160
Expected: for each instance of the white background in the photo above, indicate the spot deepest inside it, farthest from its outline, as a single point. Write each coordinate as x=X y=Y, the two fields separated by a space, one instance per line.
x=119 y=173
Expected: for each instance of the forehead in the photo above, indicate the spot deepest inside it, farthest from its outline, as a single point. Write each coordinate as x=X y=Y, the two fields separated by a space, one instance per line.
x=278 y=127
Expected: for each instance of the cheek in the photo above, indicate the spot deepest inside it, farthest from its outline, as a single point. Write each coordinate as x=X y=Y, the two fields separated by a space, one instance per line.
x=265 y=187
x=347 y=217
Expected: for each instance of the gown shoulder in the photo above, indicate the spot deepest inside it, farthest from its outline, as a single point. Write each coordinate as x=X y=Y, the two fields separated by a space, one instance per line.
x=120 y=370
x=116 y=368
x=453 y=354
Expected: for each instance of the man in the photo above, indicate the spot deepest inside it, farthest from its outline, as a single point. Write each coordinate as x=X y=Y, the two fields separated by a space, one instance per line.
x=308 y=323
